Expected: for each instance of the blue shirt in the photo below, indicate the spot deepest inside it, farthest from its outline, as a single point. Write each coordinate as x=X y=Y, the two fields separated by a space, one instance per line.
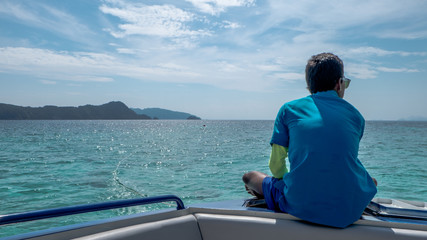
x=326 y=184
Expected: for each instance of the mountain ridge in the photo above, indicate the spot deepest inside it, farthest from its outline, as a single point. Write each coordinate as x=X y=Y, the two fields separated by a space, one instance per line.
x=114 y=110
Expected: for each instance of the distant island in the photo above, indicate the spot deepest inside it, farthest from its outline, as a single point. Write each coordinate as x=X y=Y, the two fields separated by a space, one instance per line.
x=109 y=111
x=159 y=113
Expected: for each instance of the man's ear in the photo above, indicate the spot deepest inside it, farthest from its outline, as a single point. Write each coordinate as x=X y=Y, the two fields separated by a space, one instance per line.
x=339 y=88
x=338 y=85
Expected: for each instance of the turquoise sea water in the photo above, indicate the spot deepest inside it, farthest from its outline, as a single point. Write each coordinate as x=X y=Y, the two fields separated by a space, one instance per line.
x=47 y=164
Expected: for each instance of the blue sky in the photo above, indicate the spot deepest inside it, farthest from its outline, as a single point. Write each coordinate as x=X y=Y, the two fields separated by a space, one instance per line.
x=217 y=59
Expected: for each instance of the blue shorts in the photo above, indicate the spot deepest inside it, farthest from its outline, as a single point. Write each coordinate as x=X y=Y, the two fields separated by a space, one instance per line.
x=273 y=193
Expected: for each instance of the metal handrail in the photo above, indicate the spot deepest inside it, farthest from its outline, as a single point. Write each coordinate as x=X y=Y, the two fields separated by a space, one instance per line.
x=65 y=211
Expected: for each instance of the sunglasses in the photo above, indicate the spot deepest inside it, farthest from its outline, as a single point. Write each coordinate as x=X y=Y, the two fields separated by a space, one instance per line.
x=346 y=82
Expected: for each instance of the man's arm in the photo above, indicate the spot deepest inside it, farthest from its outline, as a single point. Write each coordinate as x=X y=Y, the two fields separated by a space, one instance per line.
x=277 y=161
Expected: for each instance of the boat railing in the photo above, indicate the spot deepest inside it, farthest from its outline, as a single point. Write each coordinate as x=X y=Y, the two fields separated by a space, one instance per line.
x=78 y=209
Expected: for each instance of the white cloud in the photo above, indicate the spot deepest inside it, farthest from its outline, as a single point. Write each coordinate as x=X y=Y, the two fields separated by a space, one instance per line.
x=53 y=65
x=215 y=7
x=381 y=52
x=126 y=50
x=273 y=47
x=80 y=67
x=87 y=67
x=290 y=77
x=42 y=16
x=231 y=25
x=227 y=44
x=173 y=66
x=86 y=78
x=332 y=19
x=155 y=20
x=274 y=67
x=360 y=71
x=397 y=70
x=225 y=66
x=403 y=33
x=369 y=69
x=48 y=82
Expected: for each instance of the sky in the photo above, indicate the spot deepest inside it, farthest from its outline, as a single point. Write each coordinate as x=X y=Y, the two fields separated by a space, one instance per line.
x=217 y=59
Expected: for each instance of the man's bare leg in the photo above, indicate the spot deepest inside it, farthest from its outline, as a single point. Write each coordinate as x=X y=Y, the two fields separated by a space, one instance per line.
x=375 y=181
x=253 y=183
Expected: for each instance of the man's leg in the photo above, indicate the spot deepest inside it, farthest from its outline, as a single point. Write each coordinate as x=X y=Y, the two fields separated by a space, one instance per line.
x=375 y=181
x=253 y=183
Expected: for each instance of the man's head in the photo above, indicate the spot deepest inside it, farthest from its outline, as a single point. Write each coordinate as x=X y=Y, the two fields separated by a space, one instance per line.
x=325 y=71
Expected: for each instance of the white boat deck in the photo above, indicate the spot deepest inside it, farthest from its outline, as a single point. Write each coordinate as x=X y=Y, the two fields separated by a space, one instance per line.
x=221 y=222
x=230 y=220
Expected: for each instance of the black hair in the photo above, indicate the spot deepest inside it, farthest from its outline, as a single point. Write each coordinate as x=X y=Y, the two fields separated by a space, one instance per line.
x=323 y=71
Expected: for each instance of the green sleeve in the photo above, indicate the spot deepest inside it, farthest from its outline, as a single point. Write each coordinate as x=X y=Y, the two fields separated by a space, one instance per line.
x=277 y=161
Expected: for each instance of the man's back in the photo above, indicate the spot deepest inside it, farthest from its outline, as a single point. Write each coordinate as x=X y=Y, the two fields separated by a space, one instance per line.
x=320 y=135
x=326 y=184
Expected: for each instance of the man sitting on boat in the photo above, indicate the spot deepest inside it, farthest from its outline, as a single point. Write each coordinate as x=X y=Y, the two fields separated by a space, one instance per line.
x=320 y=134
